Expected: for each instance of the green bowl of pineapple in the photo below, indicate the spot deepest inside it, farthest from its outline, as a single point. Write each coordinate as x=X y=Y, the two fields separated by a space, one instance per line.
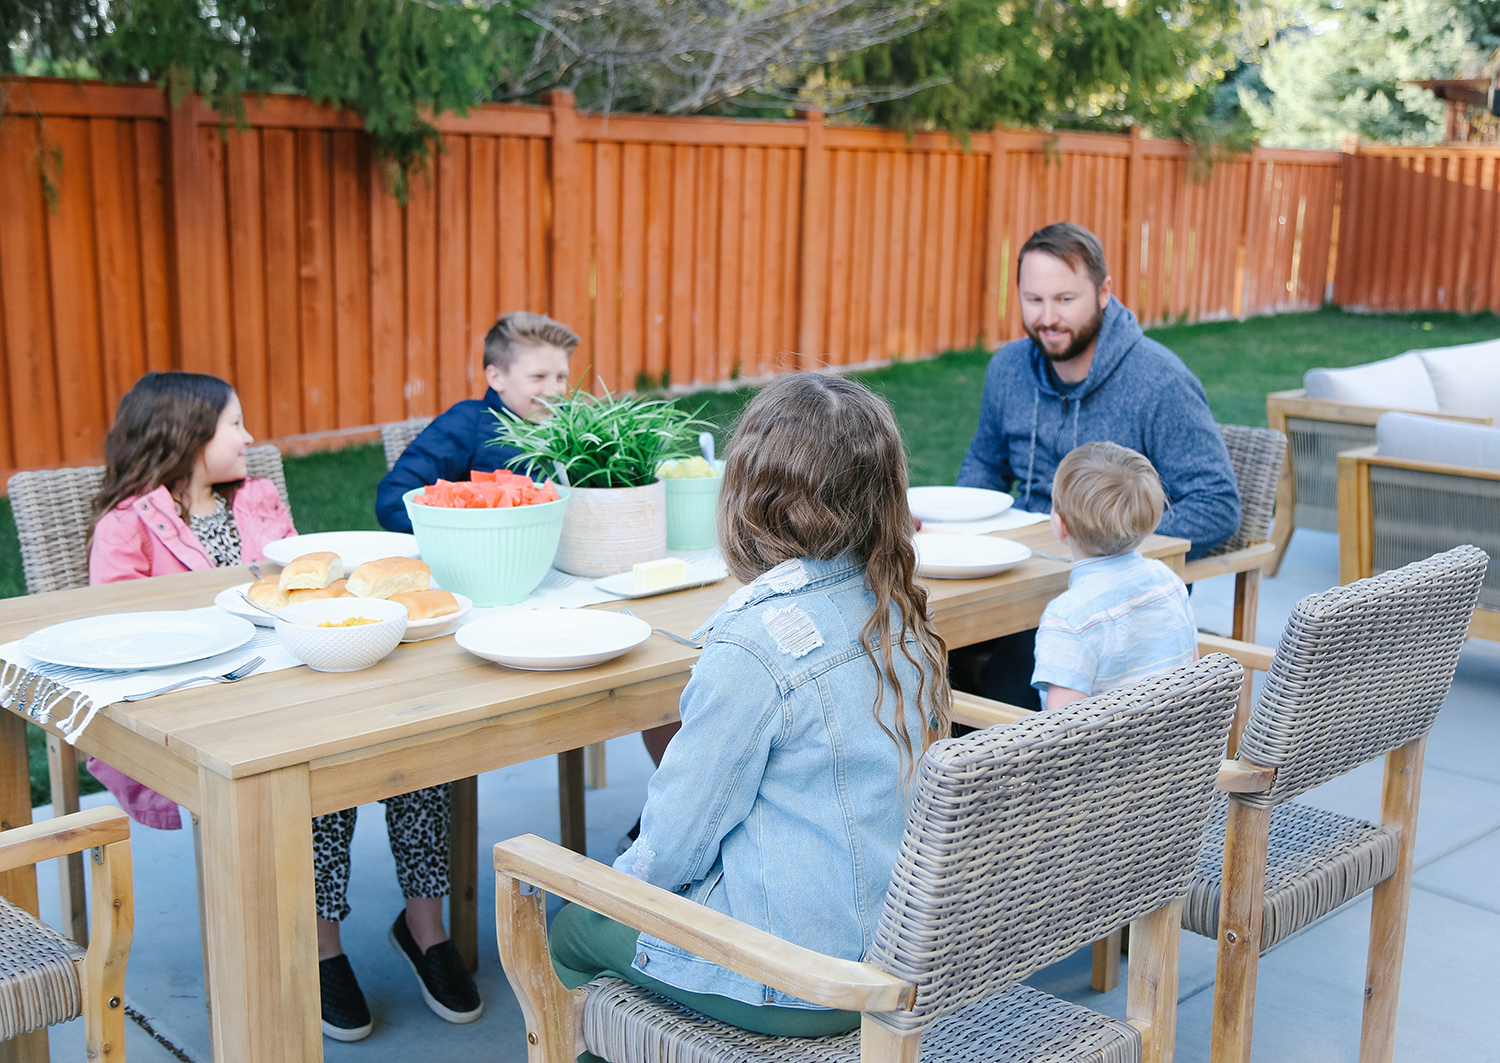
x=692 y=501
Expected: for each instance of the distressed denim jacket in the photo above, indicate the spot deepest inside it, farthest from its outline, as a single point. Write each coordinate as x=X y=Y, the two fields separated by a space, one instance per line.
x=780 y=801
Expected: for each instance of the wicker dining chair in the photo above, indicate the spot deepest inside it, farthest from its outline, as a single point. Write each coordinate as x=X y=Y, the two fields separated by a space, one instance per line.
x=44 y=977
x=397 y=436
x=1257 y=455
x=1361 y=672
x=1023 y=843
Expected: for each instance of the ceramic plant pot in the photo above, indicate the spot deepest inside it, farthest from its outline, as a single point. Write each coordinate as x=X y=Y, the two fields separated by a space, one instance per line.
x=608 y=529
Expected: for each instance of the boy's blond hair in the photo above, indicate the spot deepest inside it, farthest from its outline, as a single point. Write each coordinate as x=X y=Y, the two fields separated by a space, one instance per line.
x=1109 y=495
x=516 y=331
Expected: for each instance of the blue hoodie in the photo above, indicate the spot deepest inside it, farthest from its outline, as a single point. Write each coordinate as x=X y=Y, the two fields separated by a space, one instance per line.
x=453 y=445
x=1137 y=394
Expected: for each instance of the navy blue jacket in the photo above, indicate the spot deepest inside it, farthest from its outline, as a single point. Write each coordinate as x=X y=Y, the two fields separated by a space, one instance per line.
x=450 y=447
x=1137 y=394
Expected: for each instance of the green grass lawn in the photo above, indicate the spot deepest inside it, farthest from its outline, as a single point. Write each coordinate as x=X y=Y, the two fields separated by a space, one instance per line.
x=937 y=405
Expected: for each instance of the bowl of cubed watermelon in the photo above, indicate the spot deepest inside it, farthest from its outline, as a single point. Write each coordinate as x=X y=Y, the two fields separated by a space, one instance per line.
x=491 y=537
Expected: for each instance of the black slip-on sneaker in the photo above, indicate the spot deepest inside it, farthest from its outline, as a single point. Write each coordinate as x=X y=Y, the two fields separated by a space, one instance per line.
x=446 y=983
x=346 y=1016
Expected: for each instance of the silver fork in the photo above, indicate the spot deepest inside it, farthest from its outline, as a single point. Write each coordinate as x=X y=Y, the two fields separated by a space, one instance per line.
x=228 y=677
x=675 y=638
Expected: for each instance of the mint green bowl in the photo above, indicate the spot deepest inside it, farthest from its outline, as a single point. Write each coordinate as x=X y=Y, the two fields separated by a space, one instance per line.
x=692 y=503
x=494 y=556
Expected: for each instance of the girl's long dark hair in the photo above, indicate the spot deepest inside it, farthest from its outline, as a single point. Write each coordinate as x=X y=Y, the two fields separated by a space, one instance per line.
x=817 y=469
x=161 y=426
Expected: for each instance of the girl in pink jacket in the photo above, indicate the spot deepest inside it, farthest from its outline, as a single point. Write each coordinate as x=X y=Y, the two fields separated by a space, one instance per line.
x=175 y=499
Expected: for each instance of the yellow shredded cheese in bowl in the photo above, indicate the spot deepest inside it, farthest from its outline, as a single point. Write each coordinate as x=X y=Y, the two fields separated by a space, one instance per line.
x=353 y=621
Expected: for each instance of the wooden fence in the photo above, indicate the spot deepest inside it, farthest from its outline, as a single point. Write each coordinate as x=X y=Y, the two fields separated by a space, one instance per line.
x=684 y=250
x=1421 y=229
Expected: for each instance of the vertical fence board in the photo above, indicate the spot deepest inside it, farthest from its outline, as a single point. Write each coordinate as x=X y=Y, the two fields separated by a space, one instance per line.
x=388 y=400
x=151 y=224
x=279 y=209
x=351 y=283
x=455 y=375
x=121 y=335
x=729 y=307
x=421 y=299
x=315 y=281
x=606 y=349
x=752 y=276
x=247 y=307
x=633 y=264
x=70 y=238
x=482 y=278
x=33 y=399
x=684 y=181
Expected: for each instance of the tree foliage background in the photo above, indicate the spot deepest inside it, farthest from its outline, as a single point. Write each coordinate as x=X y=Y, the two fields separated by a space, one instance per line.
x=1215 y=72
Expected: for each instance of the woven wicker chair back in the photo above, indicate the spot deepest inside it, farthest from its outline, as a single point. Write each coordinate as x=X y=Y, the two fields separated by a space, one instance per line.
x=1257 y=455
x=397 y=436
x=1026 y=841
x=1361 y=670
x=52 y=508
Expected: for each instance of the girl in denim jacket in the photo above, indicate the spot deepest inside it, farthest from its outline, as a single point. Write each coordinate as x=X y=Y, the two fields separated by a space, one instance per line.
x=781 y=802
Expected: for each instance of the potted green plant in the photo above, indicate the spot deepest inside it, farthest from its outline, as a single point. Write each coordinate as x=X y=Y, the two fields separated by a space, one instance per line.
x=606 y=450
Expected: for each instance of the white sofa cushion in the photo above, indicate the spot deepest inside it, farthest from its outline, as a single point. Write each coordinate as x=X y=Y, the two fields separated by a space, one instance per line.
x=1398 y=383
x=1466 y=379
x=1404 y=435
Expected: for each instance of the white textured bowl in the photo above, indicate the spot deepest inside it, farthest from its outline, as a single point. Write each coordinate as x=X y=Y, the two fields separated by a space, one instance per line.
x=341 y=649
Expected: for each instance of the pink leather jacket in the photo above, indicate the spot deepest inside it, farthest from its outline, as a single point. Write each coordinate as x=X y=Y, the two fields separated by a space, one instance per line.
x=145 y=536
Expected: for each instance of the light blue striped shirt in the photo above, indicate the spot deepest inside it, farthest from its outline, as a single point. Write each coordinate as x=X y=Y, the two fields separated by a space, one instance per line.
x=1121 y=618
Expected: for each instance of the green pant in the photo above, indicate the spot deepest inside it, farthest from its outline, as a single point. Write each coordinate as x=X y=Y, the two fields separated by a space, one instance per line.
x=586 y=944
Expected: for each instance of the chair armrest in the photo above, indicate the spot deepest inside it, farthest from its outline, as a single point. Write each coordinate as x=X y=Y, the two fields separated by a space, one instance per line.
x=22 y=846
x=1252 y=658
x=1371 y=456
x=741 y=948
x=1256 y=555
x=971 y=710
x=1242 y=777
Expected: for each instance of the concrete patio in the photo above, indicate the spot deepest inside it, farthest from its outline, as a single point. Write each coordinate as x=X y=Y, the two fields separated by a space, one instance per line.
x=1308 y=1007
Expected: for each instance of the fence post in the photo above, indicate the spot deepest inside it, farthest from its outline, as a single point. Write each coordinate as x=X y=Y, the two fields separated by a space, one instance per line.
x=996 y=254
x=187 y=219
x=1132 y=277
x=812 y=255
x=569 y=265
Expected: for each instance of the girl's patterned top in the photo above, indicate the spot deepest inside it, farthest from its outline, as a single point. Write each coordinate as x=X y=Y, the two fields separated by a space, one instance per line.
x=218 y=534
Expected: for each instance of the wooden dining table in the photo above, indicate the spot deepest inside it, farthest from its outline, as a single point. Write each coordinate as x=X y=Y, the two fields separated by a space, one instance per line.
x=256 y=760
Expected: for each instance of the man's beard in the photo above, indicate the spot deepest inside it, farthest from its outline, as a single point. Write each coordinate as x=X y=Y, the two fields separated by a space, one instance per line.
x=1081 y=339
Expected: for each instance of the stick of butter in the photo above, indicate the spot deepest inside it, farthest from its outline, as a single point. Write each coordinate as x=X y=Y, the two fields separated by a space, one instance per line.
x=663 y=573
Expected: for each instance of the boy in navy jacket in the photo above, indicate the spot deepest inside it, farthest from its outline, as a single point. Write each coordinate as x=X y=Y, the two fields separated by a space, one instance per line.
x=525 y=359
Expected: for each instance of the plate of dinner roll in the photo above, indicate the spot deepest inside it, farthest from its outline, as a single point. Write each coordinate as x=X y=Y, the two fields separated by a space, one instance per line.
x=430 y=612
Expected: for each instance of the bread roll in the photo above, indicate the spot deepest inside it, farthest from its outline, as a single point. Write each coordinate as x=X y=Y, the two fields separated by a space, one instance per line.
x=267 y=593
x=312 y=571
x=427 y=605
x=388 y=576
x=336 y=589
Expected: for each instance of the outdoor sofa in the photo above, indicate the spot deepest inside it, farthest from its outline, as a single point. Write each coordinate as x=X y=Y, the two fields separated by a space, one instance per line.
x=1337 y=410
x=1426 y=485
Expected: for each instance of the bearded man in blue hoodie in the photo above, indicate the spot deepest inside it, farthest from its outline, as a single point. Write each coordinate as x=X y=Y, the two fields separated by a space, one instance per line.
x=1084 y=373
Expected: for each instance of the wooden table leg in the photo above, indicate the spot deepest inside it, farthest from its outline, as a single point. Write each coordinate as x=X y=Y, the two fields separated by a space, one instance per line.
x=18 y=885
x=1246 y=604
x=62 y=772
x=262 y=935
x=463 y=869
x=596 y=776
x=570 y=800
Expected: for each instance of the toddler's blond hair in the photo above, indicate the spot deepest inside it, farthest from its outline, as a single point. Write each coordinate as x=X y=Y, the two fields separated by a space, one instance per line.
x=1110 y=496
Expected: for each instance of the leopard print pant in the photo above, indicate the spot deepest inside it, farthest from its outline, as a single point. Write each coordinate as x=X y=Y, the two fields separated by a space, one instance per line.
x=418 y=825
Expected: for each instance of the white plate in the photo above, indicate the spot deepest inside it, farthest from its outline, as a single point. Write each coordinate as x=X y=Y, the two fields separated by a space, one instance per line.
x=955 y=503
x=230 y=601
x=699 y=574
x=129 y=641
x=417 y=630
x=966 y=556
x=549 y=640
x=353 y=547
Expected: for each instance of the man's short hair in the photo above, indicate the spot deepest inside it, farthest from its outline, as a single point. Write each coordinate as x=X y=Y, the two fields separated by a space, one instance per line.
x=1074 y=244
x=513 y=333
x=1110 y=496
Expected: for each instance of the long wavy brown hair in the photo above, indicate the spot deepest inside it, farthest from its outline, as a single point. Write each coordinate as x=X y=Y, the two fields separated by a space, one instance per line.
x=816 y=470
x=161 y=426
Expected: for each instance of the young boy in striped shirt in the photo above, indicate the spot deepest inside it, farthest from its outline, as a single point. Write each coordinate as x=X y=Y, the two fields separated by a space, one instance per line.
x=1123 y=616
